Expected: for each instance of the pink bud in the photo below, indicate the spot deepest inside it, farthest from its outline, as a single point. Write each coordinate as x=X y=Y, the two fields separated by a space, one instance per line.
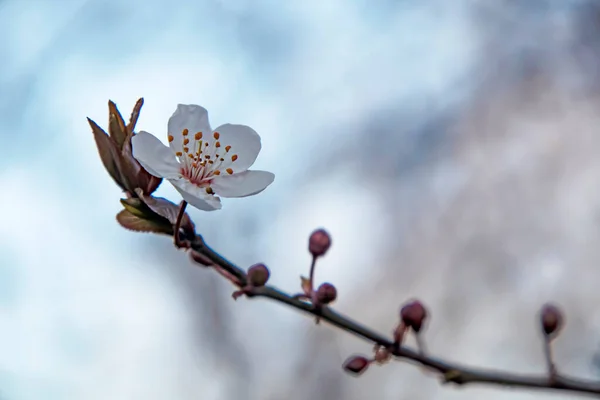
x=356 y=365
x=326 y=293
x=258 y=275
x=319 y=243
x=551 y=319
x=413 y=315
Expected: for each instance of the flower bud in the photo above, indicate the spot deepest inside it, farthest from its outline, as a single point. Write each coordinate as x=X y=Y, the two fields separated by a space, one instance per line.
x=258 y=275
x=551 y=319
x=326 y=293
x=413 y=315
x=319 y=243
x=356 y=365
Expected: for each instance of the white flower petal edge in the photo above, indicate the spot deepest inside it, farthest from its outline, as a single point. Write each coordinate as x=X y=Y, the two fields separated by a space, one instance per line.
x=187 y=116
x=196 y=196
x=156 y=158
x=244 y=184
x=245 y=146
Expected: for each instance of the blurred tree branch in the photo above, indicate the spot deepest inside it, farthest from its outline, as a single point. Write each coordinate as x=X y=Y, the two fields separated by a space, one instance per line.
x=449 y=372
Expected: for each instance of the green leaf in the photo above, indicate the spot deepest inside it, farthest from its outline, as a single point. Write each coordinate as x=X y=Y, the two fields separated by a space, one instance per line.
x=138 y=224
x=116 y=125
x=109 y=154
x=137 y=207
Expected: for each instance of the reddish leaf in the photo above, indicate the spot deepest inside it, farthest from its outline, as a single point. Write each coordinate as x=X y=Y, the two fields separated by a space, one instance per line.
x=135 y=223
x=135 y=114
x=167 y=209
x=153 y=184
x=116 y=125
x=305 y=284
x=108 y=151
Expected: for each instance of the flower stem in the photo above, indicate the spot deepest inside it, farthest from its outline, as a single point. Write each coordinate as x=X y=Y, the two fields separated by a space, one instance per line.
x=312 y=274
x=178 y=223
x=549 y=359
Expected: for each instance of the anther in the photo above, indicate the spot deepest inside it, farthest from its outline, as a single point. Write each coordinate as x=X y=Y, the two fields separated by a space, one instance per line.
x=234 y=157
x=198 y=135
x=185 y=132
x=186 y=141
x=179 y=154
x=186 y=149
x=217 y=172
x=229 y=171
x=216 y=135
x=171 y=138
x=227 y=148
x=218 y=144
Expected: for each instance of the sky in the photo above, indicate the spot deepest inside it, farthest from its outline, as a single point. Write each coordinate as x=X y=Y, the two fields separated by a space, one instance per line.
x=449 y=148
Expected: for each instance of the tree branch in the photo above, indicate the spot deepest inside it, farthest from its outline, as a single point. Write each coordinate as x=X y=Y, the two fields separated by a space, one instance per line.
x=449 y=372
x=145 y=213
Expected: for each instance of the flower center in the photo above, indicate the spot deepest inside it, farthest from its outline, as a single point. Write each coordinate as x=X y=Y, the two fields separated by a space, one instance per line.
x=203 y=159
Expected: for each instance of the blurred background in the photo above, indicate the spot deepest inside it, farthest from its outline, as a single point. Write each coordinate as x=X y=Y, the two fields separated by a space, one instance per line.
x=450 y=147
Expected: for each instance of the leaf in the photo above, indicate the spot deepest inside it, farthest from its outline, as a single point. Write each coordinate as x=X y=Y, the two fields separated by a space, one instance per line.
x=168 y=210
x=134 y=223
x=137 y=207
x=153 y=184
x=130 y=169
x=306 y=286
x=109 y=153
x=135 y=114
x=116 y=125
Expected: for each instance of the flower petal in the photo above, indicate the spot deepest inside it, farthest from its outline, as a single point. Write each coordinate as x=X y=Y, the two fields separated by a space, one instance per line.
x=154 y=156
x=196 y=196
x=245 y=146
x=243 y=184
x=191 y=117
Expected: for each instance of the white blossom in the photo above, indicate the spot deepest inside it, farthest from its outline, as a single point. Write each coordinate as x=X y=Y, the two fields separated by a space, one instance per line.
x=203 y=163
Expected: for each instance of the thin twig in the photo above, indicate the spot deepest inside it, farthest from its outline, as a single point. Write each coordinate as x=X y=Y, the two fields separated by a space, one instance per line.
x=177 y=227
x=549 y=359
x=450 y=372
